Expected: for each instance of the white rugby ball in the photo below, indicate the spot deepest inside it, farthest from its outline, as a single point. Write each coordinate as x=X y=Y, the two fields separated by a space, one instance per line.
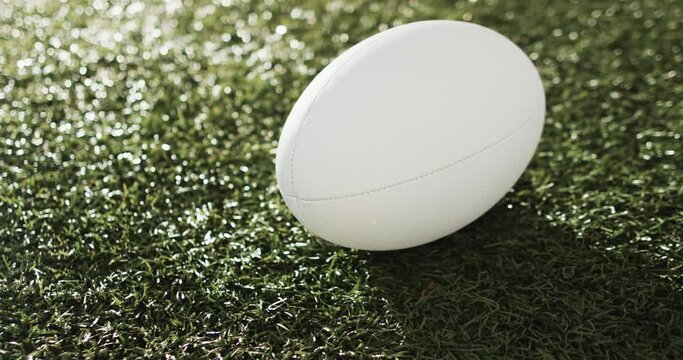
x=410 y=135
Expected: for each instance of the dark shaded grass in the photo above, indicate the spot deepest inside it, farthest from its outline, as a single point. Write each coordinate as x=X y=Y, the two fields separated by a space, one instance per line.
x=535 y=293
x=144 y=222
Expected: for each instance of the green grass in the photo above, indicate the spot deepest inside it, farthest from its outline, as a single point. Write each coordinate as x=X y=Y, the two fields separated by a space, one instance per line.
x=139 y=214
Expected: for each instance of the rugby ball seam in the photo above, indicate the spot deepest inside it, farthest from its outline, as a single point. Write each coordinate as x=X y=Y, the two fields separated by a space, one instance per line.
x=428 y=174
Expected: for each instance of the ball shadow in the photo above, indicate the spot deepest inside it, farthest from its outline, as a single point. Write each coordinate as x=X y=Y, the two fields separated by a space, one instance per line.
x=511 y=285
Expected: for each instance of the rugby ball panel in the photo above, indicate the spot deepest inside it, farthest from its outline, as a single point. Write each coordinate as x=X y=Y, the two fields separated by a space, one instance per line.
x=400 y=105
x=428 y=208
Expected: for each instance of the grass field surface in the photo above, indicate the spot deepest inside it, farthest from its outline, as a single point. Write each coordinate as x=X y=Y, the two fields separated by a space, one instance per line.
x=139 y=215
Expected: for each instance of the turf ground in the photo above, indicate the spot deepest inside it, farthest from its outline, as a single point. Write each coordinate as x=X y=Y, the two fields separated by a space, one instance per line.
x=139 y=215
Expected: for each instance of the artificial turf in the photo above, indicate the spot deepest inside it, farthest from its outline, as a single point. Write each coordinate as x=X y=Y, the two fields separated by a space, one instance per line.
x=139 y=215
